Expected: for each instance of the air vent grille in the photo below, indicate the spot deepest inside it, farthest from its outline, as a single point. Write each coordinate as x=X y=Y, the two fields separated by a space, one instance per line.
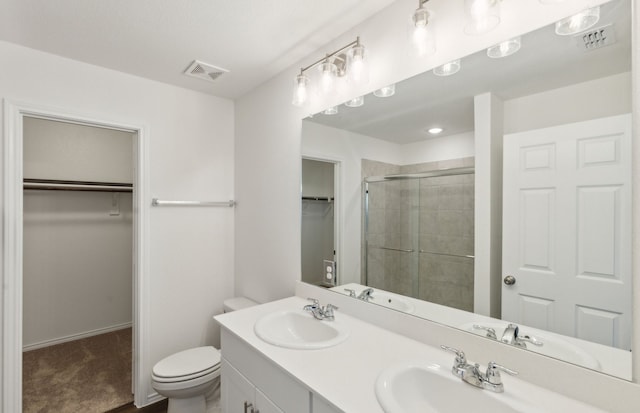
x=596 y=38
x=204 y=71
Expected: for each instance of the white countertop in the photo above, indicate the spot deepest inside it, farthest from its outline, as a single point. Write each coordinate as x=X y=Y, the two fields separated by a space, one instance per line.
x=345 y=374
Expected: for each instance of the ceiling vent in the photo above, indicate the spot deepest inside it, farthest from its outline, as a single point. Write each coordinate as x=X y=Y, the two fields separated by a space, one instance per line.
x=204 y=71
x=596 y=38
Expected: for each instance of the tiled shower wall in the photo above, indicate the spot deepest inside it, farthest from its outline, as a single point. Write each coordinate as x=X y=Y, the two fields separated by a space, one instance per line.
x=425 y=227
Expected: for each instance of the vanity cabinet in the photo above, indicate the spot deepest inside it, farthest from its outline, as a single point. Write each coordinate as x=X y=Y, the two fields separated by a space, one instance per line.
x=248 y=376
x=239 y=395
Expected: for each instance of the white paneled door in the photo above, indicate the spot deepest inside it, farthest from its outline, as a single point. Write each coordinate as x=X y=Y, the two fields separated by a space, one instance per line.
x=567 y=230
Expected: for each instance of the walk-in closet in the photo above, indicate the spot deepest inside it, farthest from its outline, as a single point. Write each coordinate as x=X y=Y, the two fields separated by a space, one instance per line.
x=77 y=266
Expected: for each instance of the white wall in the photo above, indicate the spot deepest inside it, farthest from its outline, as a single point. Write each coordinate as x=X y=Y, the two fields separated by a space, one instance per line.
x=77 y=271
x=68 y=151
x=190 y=156
x=607 y=96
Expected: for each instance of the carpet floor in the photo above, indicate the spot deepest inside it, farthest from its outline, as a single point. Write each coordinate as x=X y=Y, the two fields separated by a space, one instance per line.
x=90 y=375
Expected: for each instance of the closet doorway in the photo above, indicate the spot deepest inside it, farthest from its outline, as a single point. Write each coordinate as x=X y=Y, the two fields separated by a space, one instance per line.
x=77 y=266
x=15 y=114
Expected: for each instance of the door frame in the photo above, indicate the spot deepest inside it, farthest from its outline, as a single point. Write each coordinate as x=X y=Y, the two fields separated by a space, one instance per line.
x=338 y=217
x=12 y=248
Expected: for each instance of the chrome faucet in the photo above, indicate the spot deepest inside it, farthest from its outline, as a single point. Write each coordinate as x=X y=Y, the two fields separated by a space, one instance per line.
x=320 y=312
x=491 y=333
x=470 y=373
x=352 y=293
x=365 y=295
x=512 y=336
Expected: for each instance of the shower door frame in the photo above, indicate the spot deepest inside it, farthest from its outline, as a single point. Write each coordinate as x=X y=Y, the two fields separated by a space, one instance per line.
x=12 y=248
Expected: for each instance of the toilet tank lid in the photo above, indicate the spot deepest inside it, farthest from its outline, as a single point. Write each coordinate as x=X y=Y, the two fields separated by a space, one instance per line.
x=237 y=303
x=187 y=362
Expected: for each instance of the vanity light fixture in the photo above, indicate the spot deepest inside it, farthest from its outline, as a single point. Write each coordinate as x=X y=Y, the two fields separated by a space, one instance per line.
x=482 y=16
x=447 y=69
x=578 y=22
x=435 y=131
x=355 y=102
x=386 y=91
x=421 y=34
x=349 y=59
x=504 y=49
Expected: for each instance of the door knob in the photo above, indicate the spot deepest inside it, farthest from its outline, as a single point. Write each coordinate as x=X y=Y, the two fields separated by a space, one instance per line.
x=509 y=280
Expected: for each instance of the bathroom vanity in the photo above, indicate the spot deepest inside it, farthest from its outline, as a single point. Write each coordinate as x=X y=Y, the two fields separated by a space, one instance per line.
x=262 y=377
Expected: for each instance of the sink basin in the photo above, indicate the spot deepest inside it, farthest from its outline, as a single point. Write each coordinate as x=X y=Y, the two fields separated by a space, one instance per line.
x=411 y=387
x=553 y=346
x=391 y=301
x=299 y=330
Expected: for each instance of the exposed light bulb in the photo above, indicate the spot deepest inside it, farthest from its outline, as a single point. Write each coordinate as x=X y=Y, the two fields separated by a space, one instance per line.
x=385 y=92
x=328 y=72
x=578 y=22
x=358 y=68
x=300 y=90
x=331 y=111
x=504 y=49
x=482 y=16
x=447 y=69
x=421 y=34
x=355 y=102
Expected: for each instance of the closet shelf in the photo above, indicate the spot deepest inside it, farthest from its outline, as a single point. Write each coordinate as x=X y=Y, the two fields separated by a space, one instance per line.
x=56 y=185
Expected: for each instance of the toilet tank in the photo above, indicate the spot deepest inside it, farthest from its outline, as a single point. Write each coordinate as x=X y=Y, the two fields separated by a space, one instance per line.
x=237 y=303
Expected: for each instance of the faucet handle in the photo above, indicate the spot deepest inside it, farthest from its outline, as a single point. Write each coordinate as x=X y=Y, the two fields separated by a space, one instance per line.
x=352 y=293
x=491 y=333
x=493 y=372
x=531 y=339
x=314 y=301
x=460 y=357
x=328 y=311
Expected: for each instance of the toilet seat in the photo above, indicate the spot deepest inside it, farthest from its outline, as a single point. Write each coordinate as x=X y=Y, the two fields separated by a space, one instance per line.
x=187 y=365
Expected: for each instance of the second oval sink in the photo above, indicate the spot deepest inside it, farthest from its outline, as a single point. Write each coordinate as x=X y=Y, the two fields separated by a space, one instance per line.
x=299 y=330
x=429 y=388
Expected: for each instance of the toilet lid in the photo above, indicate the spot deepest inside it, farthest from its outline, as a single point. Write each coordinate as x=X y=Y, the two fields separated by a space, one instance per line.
x=188 y=363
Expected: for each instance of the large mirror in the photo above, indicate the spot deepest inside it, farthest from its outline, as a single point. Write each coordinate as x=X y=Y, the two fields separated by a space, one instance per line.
x=390 y=208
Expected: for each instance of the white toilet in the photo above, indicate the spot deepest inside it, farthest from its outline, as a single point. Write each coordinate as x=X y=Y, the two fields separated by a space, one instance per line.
x=190 y=377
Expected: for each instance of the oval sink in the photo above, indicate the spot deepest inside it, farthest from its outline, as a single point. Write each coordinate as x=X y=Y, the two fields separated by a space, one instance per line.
x=552 y=346
x=299 y=330
x=430 y=388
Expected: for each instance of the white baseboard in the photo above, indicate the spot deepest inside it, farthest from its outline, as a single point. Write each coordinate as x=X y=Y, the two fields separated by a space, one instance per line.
x=73 y=337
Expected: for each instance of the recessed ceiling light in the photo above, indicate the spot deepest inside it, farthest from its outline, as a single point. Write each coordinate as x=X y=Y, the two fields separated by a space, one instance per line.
x=435 y=131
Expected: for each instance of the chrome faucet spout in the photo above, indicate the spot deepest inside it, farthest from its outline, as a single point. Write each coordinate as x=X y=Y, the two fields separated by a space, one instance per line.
x=365 y=295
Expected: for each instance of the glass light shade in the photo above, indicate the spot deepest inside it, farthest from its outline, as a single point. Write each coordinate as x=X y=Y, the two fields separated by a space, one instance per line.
x=578 y=22
x=357 y=67
x=355 y=102
x=386 y=91
x=300 y=90
x=421 y=35
x=504 y=49
x=482 y=16
x=328 y=73
x=331 y=111
x=447 y=69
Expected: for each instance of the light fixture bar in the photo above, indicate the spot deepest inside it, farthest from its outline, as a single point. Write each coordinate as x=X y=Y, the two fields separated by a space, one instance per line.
x=330 y=55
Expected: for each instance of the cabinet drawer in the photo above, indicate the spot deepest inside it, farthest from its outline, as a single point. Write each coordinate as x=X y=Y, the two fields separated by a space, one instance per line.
x=281 y=388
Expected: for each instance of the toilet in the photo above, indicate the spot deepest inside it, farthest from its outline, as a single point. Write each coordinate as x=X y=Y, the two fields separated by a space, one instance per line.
x=190 y=378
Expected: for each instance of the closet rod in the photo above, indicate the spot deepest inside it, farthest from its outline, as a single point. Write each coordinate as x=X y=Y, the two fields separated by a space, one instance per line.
x=317 y=198
x=157 y=202
x=50 y=184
